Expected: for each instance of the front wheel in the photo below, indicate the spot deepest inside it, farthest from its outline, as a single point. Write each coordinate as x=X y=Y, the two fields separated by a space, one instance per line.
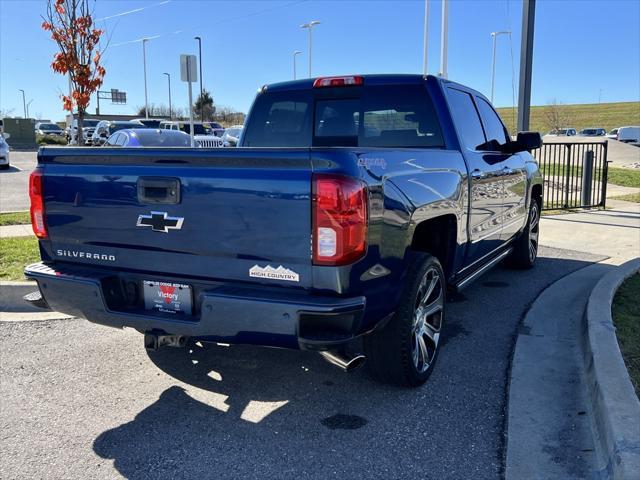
x=405 y=350
x=525 y=247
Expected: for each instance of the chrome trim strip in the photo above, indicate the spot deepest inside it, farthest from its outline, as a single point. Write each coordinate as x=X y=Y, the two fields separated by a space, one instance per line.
x=465 y=282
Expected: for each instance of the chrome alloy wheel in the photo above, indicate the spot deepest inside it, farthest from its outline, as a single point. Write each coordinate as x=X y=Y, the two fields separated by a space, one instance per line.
x=427 y=319
x=534 y=231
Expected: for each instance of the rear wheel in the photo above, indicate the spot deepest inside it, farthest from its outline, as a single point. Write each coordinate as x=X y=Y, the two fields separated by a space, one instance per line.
x=525 y=248
x=405 y=350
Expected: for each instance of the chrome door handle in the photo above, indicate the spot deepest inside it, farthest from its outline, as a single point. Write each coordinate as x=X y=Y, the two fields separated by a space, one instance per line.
x=477 y=174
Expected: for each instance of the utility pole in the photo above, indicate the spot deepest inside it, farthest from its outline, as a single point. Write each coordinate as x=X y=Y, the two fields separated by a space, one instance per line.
x=199 y=39
x=526 y=62
x=24 y=103
x=426 y=36
x=444 y=38
x=494 y=35
x=310 y=26
x=169 y=79
x=28 y=103
x=295 y=54
x=144 y=64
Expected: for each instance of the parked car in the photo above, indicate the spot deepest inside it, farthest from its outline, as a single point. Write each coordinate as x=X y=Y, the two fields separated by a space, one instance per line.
x=149 y=122
x=292 y=242
x=216 y=128
x=231 y=136
x=148 y=137
x=563 y=132
x=202 y=134
x=88 y=127
x=45 y=128
x=613 y=134
x=628 y=134
x=106 y=128
x=4 y=153
x=592 y=132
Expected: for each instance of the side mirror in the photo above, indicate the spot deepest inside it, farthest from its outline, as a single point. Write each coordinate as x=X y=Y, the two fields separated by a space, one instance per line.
x=529 y=141
x=525 y=142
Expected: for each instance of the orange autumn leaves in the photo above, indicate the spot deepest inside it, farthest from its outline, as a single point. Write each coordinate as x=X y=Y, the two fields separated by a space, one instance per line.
x=72 y=29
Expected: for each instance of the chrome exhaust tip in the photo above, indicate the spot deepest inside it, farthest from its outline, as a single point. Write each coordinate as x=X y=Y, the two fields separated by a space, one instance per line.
x=345 y=363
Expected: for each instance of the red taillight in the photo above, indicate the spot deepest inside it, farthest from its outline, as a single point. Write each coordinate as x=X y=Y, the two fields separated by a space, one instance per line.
x=37 y=204
x=338 y=81
x=339 y=219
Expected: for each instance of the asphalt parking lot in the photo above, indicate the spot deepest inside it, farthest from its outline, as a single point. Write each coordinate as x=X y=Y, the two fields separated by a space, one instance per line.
x=84 y=401
x=14 y=182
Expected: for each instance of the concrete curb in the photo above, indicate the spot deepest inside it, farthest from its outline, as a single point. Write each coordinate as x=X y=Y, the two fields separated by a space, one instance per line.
x=615 y=406
x=14 y=309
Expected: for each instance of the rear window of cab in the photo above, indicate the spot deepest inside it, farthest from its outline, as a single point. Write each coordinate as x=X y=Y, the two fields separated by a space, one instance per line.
x=395 y=116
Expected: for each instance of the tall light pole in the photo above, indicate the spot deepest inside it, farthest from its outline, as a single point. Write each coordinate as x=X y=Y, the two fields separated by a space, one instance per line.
x=28 y=103
x=444 y=38
x=426 y=36
x=169 y=79
x=200 y=61
x=24 y=103
x=144 y=64
x=295 y=54
x=526 y=64
x=309 y=26
x=494 y=35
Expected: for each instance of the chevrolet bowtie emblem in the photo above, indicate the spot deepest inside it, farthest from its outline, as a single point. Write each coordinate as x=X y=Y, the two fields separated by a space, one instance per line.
x=160 y=222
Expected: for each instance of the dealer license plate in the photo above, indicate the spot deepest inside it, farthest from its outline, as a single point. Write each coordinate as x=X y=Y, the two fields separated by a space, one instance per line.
x=167 y=297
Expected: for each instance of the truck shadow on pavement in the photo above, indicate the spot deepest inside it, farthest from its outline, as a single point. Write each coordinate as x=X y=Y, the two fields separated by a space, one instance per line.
x=242 y=411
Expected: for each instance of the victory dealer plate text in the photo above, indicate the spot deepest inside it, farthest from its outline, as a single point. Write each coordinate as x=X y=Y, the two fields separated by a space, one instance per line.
x=167 y=297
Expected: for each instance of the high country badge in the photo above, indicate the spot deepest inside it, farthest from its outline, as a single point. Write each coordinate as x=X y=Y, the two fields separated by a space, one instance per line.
x=271 y=273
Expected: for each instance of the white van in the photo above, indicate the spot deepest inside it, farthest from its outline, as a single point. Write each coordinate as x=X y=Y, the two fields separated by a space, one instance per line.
x=629 y=134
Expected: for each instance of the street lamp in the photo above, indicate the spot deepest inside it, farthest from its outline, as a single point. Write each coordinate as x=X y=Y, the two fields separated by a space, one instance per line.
x=200 y=61
x=444 y=38
x=28 y=103
x=310 y=26
x=169 y=79
x=494 y=35
x=24 y=103
x=144 y=63
x=295 y=54
x=426 y=36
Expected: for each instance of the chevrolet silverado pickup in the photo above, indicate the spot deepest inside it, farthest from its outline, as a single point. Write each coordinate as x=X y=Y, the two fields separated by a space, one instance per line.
x=353 y=205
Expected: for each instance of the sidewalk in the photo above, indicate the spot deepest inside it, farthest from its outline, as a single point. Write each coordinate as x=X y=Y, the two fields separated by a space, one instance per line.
x=550 y=432
x=614 y=233
x=15 y=231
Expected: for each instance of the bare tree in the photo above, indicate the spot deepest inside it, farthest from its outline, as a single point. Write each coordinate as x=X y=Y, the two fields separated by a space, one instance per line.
x=557 y=116
x=160 y=111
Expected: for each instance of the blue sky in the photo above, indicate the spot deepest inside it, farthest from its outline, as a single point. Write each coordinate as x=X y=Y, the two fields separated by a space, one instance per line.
x=585 y=50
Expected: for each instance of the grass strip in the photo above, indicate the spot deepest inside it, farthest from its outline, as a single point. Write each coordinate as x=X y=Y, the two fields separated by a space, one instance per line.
x=15 y=254
x=626 y=316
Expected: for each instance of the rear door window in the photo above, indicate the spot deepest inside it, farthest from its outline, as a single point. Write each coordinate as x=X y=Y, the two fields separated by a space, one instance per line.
x=493 y=126
x=466 y=118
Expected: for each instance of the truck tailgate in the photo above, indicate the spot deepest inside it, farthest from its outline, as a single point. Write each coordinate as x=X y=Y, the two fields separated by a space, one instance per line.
x=236 y=215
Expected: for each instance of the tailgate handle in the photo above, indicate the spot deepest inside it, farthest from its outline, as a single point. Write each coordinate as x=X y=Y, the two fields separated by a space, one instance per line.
x=158 y=190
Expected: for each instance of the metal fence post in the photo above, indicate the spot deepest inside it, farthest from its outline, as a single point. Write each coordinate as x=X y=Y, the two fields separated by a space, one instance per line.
x=587 y=178
x=604 y=176
x=567 y=185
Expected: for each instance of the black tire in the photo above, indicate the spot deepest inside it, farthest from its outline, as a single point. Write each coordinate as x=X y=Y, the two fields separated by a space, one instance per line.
x=391 y=351
x=525 y=247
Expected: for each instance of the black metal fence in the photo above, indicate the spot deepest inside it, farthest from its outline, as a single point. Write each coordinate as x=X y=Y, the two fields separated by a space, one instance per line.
x=575 y=174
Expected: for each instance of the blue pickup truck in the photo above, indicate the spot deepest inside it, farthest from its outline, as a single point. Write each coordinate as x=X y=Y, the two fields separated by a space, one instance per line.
x=352 y=207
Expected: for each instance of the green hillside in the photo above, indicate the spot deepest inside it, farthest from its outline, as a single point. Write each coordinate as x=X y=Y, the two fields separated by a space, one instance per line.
x=598 y=115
